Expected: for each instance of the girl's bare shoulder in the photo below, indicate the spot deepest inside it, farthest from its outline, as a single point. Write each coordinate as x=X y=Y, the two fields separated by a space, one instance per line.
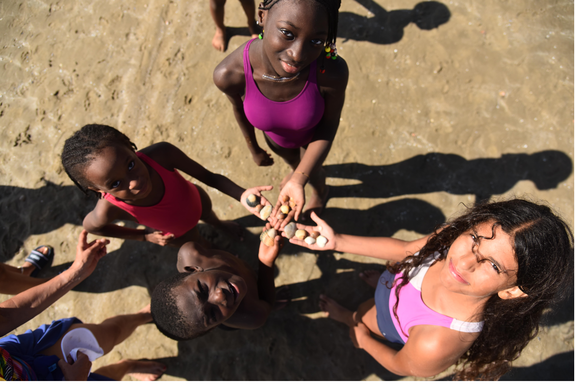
x=228 y=76
x=163 y=153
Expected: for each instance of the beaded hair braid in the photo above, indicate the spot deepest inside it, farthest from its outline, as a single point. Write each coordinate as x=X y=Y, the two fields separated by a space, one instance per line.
x=81 y=148
x=332 y=7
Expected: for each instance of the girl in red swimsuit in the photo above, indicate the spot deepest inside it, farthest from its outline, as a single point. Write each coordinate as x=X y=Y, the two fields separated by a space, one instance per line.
x=146 y=187
x=287 y=85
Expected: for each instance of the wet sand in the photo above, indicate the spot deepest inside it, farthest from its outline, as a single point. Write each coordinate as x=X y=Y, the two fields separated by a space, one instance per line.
x=434 y=119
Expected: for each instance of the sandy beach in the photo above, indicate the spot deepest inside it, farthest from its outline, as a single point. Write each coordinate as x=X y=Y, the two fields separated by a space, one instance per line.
x=473 y=100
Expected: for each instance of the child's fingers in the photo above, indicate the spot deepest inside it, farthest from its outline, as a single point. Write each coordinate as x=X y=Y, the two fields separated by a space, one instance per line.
x=83 y=239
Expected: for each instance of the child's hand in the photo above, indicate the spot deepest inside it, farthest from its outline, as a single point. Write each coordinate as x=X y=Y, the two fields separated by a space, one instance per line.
x=358 y=333
x=78 y=370
x=159 y=238
x=88 y=254
x=267 y=255
x=324 y=229
x=291 y=191
x=263 y=158
x=255 y=191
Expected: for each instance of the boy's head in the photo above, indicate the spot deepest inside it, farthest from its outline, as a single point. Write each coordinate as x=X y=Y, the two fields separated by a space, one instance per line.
x=190 y=304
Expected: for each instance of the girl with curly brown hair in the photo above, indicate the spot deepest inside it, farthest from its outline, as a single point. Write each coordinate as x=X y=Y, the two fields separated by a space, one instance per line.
x=472 y=293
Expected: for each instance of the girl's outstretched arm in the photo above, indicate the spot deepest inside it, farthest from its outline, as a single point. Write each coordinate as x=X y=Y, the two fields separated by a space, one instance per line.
x=378 y=247
x=99 y=222
x=171 y=156
x=333 y=85
x=229 y=78
x=28 y=304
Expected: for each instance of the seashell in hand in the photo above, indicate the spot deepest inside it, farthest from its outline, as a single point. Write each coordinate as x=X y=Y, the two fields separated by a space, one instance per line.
x=265 y=212
x=314 y=234
x=301 y=234
x=310 y=240
x=252 y=200
x=267 y=236
x=285 y=209
x=280 y=216
x=321 y=241
x=290 y=230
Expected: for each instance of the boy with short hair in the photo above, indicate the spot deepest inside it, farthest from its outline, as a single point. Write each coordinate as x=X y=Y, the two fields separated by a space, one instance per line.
x=215 y=288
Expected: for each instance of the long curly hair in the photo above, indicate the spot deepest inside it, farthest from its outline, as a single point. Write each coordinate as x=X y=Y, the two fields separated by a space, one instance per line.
x=331 y=6
x=543 y=247
x=83 y=146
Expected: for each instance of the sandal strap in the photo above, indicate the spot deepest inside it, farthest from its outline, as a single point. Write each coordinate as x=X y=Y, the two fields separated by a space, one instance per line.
x=38 y=259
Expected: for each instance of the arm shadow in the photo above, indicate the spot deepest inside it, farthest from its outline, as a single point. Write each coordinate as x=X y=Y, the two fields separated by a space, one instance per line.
x=27 y=212
x=438 y=172
x=387 y=27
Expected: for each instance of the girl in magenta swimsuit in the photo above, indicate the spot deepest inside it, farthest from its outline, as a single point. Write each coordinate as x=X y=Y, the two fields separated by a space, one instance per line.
x=472 y=293
x=290 y=85
x=146 y=187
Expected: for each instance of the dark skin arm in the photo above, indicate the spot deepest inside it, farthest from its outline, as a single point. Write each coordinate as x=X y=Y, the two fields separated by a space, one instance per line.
x=332 y=85
x=170 y=157
x=229 y=78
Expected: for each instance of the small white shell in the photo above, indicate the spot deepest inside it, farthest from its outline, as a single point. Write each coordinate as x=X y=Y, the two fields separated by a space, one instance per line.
x=310 y=240
x=321 y=241
x=265 y=212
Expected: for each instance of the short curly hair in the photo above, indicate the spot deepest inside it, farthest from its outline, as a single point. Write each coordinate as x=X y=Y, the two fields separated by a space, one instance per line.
x=169 y=318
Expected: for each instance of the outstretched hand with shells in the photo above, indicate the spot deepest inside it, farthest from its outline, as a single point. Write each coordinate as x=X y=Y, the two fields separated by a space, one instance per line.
x=270 y=245
x=253 y=200
x=320 y=237
x=291 y=192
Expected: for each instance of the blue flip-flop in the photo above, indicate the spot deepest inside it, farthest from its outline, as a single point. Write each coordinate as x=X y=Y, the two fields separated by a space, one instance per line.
x=40 y=260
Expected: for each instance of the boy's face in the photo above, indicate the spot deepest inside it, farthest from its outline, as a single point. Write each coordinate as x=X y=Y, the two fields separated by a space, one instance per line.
x=211 y=296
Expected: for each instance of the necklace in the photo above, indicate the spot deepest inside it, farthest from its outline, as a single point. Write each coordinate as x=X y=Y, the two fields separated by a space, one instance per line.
x=280 y=79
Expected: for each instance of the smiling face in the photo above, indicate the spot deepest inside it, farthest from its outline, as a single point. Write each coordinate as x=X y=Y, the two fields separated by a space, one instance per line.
x=210 y=297
x=480 y=263
x=295 y=34
x=117 y=170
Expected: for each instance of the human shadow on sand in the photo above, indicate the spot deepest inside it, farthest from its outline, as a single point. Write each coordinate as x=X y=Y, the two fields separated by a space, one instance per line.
x=387 y=27
x=27 y=211
x=438 y=172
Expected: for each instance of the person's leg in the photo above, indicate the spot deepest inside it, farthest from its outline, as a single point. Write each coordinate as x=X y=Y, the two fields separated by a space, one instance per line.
x=336 y=311
x=142 y=370
x=109 y=333
x=366 y=313
x=250 y=11
x=320 y=190
x=209 y=216
x=371 y=277
x=217 y=12
x=15 y=280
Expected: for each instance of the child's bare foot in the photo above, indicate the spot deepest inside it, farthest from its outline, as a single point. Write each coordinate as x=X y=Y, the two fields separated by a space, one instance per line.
x=336 y=311
x=38 y=259
x=317 y=202
x=146 y=370
x=219 y=40
x=371 y=277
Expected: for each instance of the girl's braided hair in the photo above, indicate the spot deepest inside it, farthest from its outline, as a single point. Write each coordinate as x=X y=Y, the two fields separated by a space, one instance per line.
x=83 y=146
x=331 y=6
